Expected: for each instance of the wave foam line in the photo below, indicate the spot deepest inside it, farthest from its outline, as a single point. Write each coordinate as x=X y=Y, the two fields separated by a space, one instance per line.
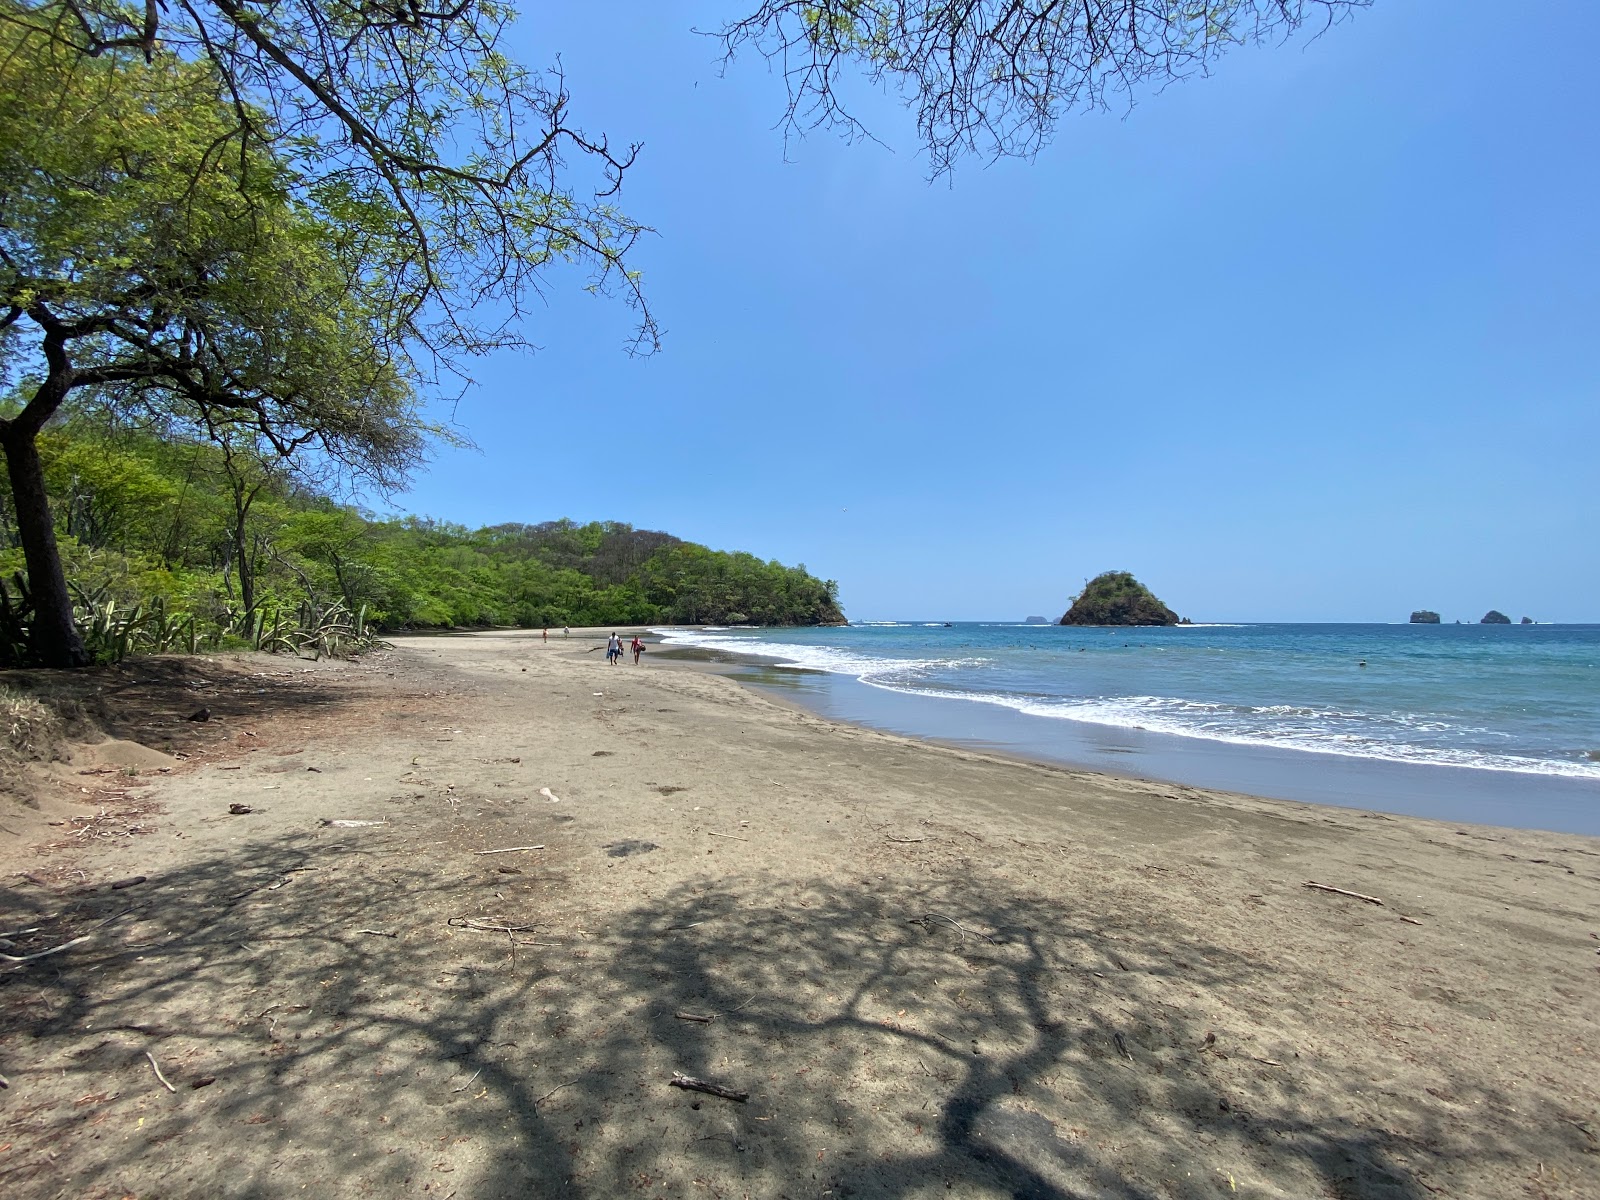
x=1135 y=712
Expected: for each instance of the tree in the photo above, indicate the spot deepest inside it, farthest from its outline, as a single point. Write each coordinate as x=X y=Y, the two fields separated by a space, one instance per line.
x=150 y=257
x=411 y=118
x=993 y=77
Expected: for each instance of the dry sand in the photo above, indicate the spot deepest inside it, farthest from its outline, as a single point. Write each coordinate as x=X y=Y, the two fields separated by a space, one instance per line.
x=935 y=973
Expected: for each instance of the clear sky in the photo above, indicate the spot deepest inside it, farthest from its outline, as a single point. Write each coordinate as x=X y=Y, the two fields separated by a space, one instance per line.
x=1317 y=338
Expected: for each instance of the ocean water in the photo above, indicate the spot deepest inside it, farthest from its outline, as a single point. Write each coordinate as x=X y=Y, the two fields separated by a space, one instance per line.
x=1492 y=711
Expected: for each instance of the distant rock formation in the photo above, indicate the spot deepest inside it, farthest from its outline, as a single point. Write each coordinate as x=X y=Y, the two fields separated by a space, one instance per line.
x=1494 y=617
x=1424 y=616
x=1036 y=621
x=1117 y=598
x=1526 y=621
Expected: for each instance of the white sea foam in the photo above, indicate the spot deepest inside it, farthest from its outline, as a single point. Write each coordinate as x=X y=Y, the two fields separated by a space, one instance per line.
x=1316 y=731
x=868 y=668
x=1391 y=737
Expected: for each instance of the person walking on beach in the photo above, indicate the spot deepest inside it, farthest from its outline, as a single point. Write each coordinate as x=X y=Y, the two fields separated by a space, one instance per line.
x=638 y=649
x=613 y=649
x=546 y=634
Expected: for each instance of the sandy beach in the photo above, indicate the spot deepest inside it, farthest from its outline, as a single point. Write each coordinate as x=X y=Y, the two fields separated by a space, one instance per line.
x=491 y=895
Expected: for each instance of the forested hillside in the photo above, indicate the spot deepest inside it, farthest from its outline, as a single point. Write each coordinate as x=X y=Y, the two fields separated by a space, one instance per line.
x=219 y=534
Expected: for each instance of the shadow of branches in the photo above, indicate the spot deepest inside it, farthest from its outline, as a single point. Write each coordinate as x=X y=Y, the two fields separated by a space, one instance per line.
x=364 y=1016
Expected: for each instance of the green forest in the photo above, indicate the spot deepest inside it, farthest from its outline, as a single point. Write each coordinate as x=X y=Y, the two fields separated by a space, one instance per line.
x=192 y=529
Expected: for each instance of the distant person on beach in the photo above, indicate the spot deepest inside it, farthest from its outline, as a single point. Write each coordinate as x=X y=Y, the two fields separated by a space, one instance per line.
x=546 y=635
x=613 y=649
x=638 y=649
x=565 y=632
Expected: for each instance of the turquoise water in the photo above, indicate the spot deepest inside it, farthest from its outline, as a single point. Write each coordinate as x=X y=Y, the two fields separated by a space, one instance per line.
x=1499 y=704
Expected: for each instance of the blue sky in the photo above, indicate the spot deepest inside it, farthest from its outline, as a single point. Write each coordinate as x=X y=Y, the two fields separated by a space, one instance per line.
x=1317 y=338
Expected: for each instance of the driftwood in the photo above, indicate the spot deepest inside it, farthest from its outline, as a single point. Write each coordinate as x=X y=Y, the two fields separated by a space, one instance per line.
x=690 y=1084
x=697 y=1018
x=1323 y=887
x=154 y=1066
x=508 y=850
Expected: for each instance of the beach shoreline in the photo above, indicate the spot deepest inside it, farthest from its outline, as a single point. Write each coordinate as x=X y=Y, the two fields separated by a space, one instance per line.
x=935 y=971
x=1478 y=794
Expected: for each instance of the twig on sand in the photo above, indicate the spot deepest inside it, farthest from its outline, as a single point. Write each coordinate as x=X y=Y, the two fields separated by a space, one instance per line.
x=348 y=824
x=508 y=850
x=964 y=930
x=468 y=1083
x=697 y=1018
x=154 y=1066
x=690 y=1084
x=1323 y=887
x=485 y=927
x=380 y=932
x=731 y=837
x=279 y=1008
x=554 y=1090
x=903 y=841
x=17 y=961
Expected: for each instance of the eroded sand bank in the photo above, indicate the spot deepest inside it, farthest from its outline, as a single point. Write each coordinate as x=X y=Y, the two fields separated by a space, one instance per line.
x=935 y=973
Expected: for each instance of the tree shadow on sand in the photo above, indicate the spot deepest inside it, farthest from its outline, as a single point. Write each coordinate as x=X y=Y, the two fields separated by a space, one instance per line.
x=964 y=1038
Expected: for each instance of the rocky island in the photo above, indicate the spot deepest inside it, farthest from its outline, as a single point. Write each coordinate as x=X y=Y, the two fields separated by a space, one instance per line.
x=1424 y=616
x=1117 y=598
x=1494 y=617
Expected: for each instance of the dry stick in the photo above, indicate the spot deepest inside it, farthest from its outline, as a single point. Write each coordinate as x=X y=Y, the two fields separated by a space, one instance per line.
x=157 y=1069
x=960 y=926
x=1323 y=887
x=17 y=961
x=508 y=850
x=690 y=1084
x=276 y=1007
x=729 y=836
x=903 y=841
x=378 y=932
x=554 y=1090
x=468 y=1083
x=697 y=1018
x=479 y=926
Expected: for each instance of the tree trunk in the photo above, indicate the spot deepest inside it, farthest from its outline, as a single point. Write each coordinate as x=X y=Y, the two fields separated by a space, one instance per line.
x=55 y=639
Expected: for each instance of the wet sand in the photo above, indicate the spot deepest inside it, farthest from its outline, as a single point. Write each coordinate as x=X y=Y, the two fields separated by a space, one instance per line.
x=934 y=971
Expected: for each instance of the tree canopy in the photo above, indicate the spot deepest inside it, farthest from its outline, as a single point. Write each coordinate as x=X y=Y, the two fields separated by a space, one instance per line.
x=153 y=259
x=994 y=77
